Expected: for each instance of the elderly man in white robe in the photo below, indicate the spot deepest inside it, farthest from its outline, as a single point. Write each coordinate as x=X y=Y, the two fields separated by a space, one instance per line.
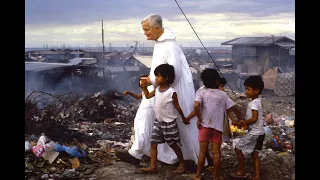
x=166 y=50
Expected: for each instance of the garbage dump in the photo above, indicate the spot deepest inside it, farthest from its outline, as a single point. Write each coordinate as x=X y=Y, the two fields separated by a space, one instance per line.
x=68 y=136
x=74 y=136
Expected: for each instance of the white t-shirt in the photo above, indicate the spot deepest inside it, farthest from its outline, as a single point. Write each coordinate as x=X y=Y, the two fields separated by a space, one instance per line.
x=214 y=103
x=257 y=127
x=163 y=105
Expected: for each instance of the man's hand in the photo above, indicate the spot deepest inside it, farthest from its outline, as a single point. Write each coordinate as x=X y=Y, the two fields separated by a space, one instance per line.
x=186 y=121
x=125 y=93
x=145 y=81
x=199 y=123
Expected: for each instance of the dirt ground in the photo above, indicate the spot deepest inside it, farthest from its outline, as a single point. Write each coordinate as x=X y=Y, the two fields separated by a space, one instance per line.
x=280 y=167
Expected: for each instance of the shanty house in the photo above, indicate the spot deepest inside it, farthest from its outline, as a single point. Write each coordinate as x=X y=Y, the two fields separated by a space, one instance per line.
x=272 y=57
x=42 y=75
x=258 y=54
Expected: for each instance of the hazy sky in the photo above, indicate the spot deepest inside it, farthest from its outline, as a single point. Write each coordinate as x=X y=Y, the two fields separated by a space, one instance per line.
x=78 y=22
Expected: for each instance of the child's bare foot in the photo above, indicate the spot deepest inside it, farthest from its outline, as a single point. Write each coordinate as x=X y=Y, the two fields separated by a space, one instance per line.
x=194 y=177
x=251 y=177
x=180 y=169
x=148 y=170
x=239 y=174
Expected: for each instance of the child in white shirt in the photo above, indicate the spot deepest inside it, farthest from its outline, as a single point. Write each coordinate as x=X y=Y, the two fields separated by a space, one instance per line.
x=165 y=129
x=252 y=142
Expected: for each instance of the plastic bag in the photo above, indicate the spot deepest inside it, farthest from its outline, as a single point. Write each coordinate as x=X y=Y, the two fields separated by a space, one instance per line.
x=27 y=146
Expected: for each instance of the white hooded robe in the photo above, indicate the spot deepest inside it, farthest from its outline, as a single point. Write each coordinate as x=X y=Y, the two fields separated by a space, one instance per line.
x=166 y=50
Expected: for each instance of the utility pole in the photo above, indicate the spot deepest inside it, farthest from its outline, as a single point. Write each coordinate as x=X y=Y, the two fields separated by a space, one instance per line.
x=103 y=41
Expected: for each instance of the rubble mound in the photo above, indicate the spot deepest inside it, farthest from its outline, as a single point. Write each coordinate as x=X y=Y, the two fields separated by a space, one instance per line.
x=54 y=114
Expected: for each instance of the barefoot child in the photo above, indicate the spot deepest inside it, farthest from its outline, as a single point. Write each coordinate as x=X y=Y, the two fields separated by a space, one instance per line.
x=165 y=127
x=252 y=142
x=226 y=128
x=210 y=105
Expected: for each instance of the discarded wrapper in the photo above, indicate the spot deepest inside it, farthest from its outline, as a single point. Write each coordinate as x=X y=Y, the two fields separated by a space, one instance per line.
x=50 y=154
x=75 y=162
x=39 y=149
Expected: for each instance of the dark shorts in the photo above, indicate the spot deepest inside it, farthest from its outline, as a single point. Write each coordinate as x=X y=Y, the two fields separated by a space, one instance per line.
x=259 y=142
x=210 y=134
x=165 y=132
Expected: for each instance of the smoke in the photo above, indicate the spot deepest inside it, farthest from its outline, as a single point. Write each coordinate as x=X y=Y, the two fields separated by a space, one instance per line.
x=58 y=84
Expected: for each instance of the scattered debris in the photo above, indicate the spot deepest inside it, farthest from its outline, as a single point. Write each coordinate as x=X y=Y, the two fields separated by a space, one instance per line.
x=81 y=134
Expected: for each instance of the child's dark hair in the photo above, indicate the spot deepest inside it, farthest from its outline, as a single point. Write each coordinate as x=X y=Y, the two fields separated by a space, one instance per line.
x=143 y=75
x=222 y=81
x=166 y=71
x=209 y=77
x=255 y=82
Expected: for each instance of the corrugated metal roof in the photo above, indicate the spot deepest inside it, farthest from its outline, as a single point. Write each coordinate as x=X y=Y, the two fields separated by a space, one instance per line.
x=95 y=51
x=75 y=61
x=78 y=60
x=40 y=66
x=286 y=44
x=146 y=60
x=44 y=52
x=257 y=41
x=77 y=53
x=112 y=54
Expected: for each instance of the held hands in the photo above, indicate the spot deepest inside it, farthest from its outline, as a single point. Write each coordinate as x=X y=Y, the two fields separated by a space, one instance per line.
x=186 y=121
x=145 y=81
x=235 y=123
x=242 y=124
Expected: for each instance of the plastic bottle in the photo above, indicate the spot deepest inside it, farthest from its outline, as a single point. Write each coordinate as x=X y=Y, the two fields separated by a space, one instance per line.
x=42 y=140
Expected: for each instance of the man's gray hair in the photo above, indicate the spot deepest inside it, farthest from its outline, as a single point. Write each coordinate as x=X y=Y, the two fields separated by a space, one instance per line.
x=153 y=20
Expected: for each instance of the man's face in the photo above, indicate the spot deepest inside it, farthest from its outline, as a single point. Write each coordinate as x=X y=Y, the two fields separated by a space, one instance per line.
x=150 y=32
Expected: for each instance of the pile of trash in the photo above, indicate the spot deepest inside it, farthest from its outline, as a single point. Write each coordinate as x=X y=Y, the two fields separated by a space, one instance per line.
x=80 y=133
x=280 y=133
x=41 y=106
x=53 y=113
x=46 y=159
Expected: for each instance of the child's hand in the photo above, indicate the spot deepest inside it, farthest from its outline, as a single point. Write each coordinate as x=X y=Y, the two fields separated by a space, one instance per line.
x=242 y=124
x=199 y=123
x=186 y=121
x=235 y=123
x=144 y=82
x=125 y=93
